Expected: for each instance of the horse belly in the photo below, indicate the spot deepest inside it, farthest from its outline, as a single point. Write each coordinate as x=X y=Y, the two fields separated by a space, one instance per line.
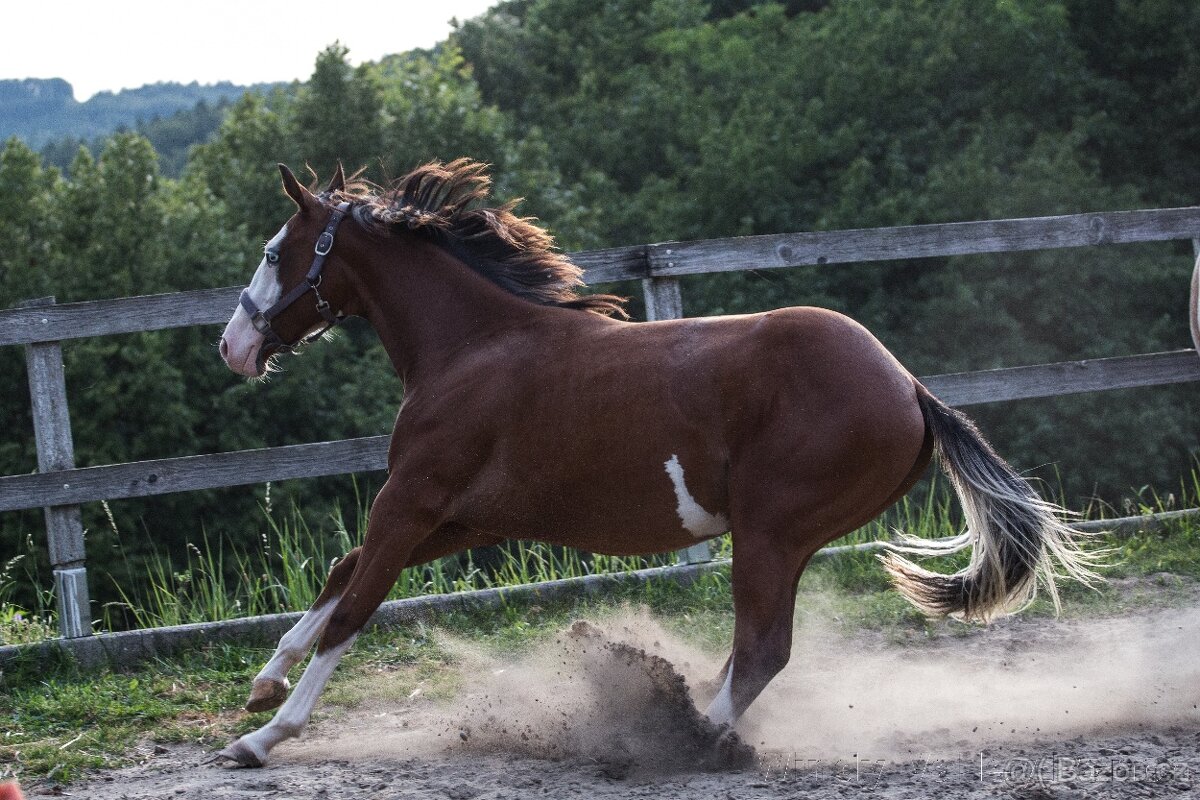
x=648 y=502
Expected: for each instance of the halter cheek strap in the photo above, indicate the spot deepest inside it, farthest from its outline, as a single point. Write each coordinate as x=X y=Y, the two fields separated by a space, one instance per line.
x=261 y=320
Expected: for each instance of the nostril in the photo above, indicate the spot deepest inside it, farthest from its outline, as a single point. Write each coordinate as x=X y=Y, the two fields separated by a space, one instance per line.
x=224 y=348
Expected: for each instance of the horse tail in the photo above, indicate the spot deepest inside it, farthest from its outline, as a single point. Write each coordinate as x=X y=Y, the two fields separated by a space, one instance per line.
x=1017 y=538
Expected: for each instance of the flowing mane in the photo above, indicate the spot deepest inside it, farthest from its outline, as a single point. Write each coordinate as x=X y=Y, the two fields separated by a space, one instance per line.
x=446 y=204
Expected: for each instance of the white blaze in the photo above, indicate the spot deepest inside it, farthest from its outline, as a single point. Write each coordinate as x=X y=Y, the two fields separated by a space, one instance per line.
x=241 y=339
x=695 y=519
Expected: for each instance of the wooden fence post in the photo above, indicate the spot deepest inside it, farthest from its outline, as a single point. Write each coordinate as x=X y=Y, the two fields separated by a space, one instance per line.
x=55 y=451
x=1194 y=299
x=665 y=301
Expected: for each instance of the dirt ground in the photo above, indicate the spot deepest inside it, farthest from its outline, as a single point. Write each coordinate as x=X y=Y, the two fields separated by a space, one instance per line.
x=1028 y=708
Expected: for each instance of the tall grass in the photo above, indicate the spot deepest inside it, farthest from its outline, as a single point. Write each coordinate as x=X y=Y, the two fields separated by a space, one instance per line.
x=288 y=567
x=19 y=625
x=285 y=568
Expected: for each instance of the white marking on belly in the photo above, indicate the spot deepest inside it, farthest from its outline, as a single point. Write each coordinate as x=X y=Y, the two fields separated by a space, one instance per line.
x=695 y=519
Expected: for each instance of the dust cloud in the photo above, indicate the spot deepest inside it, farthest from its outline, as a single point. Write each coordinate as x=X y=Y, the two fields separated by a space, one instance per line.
x=620 y=691
x=1021 y=679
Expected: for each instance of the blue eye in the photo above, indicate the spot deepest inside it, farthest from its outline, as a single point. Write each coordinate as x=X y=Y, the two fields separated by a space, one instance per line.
x=272 y=257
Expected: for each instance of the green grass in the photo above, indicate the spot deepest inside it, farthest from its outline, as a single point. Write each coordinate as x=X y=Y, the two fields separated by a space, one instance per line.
x=19 y=625
x=286 y=571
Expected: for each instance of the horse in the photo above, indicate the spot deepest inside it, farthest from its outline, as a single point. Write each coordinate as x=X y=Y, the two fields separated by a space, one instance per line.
x=532 y=410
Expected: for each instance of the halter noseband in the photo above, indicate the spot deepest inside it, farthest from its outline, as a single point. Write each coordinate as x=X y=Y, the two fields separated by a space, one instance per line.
x=261 y=320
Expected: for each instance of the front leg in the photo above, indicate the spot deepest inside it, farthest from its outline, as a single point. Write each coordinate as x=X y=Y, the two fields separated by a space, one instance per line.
x=392 y=534
x=271 y=684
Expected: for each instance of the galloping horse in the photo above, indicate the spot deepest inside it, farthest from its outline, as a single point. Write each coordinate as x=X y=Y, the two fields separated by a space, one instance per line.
x=530 y=411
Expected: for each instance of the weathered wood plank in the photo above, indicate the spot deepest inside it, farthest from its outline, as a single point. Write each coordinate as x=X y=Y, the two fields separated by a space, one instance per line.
x=190 y=473
x=1067 y=377
x=922 y=241
x=214 y=306
x=353 y=455
x=612 y=264
x=1194 y=298
x=122 y=315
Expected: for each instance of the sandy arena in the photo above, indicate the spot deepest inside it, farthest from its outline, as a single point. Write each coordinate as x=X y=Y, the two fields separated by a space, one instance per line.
x=1030 y=708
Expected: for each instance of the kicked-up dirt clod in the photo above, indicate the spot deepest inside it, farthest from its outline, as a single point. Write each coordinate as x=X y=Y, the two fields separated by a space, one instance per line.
x=609 y=700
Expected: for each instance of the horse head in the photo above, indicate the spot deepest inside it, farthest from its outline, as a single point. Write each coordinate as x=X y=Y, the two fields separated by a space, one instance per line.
x=297 y=293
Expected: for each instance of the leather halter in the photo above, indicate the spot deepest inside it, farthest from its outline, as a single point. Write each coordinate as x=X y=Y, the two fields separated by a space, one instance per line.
x=261 y=320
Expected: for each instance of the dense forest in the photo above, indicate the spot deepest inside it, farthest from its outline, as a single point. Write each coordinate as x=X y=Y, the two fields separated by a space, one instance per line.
x=631 y=121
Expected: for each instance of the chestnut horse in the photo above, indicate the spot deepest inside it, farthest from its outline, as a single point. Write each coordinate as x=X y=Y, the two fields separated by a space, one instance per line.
x=530 y=411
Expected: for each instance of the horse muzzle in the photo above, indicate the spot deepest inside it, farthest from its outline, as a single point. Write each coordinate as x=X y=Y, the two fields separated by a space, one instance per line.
x=244 y=349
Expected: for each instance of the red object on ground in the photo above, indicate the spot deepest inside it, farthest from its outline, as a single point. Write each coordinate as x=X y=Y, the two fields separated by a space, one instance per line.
x=9 y=790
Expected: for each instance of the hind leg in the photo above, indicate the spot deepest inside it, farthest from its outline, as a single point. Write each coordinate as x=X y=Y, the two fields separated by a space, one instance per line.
x=767 y=564
x=865 y=456
x=710 y=688
x=764 y=599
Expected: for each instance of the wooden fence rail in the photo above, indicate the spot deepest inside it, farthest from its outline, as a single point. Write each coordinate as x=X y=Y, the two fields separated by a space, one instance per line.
x=245 y=467
x=664 y=261
x=60 y=488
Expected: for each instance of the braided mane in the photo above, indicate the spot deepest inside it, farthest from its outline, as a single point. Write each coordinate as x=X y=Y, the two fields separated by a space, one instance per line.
x=446 y=204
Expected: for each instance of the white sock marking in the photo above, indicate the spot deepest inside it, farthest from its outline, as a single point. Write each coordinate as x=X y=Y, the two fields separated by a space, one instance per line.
x=294 y=713
x=720 y=710
x=695 y=519
x=295 y=644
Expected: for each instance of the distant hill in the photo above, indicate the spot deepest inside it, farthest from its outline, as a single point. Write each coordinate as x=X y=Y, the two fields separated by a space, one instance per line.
x=44 y=110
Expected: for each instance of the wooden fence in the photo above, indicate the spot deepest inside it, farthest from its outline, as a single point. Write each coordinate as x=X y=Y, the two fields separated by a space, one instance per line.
x=60 y=488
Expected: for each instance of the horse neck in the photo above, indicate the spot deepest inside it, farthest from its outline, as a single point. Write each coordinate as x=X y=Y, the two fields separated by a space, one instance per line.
x=425 y=304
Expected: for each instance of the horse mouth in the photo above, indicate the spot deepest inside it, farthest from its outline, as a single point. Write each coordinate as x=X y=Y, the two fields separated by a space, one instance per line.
x=251 y=363
x=262 y=360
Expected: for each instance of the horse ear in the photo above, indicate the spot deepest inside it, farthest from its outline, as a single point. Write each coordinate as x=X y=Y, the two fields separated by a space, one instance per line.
x=301 y=196
x=338 y=181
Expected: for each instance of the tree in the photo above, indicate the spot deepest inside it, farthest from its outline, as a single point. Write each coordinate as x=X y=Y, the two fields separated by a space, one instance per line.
x=238 y=166
x=337 y=113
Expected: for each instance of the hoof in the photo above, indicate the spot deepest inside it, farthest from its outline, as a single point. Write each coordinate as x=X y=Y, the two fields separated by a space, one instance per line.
x=240 y=754
x=267 y=693
x=731 y=752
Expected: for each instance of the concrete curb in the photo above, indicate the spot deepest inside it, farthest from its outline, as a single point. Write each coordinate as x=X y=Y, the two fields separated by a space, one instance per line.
x=126 y=648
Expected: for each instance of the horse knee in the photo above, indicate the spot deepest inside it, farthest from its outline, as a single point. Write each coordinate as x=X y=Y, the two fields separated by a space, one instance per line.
x=345 y=566
x=339 y=574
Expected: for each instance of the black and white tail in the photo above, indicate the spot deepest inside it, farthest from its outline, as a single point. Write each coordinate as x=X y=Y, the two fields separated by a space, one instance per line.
x=1019 y=540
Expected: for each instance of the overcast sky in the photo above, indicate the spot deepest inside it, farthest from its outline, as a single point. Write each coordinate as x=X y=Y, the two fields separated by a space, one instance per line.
x=127 y=43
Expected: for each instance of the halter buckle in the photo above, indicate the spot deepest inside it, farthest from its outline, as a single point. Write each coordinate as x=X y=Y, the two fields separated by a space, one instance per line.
x=324 y=244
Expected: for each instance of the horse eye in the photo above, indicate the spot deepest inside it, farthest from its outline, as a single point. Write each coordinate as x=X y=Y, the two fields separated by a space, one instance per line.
x=272 y=257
